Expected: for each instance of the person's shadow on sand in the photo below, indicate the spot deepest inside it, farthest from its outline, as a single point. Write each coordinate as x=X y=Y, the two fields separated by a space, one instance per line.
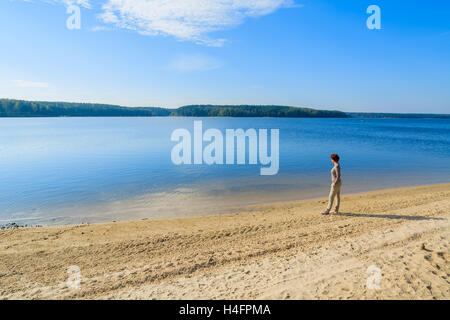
x=387 y=216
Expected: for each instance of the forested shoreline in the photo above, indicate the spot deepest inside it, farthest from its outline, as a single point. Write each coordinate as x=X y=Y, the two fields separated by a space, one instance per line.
x=23 y=108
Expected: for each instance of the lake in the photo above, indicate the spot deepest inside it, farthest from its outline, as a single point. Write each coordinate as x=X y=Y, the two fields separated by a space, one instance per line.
x=57 y=171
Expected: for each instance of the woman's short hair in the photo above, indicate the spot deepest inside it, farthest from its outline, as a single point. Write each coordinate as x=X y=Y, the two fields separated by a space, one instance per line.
x=335 y=157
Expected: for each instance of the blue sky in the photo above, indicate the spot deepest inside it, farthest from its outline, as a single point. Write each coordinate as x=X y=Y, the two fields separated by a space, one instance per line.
x=307 y=53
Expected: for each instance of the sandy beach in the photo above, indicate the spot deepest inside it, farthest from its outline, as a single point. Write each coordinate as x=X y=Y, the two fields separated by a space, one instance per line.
x=279 y=251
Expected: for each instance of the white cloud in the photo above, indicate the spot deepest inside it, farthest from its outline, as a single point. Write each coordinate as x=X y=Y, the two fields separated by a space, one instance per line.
x=196 y=62
x=190 y=20
x=186 y=19
x=30 y=84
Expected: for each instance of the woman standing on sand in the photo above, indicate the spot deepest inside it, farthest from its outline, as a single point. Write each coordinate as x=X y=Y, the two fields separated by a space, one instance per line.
x=336 y=184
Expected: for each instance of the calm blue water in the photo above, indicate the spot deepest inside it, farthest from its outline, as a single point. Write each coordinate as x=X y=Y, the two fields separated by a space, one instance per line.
x=72 y=170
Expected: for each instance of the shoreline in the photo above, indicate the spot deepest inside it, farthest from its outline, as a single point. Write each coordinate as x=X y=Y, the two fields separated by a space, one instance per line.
x=166 y=205
x=279 y=250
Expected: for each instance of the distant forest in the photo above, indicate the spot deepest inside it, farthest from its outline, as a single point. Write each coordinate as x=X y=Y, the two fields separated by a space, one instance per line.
x=254 y=111
x=22 y=108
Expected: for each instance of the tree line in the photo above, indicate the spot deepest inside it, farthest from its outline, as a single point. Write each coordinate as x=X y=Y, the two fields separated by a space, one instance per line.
x=22 y=108
x=254 y=111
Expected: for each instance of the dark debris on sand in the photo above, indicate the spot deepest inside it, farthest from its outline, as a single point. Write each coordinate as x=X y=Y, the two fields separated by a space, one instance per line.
x=13 y=225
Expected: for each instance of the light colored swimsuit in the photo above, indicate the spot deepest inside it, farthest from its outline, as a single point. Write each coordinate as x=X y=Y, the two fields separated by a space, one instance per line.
x=335 y=191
